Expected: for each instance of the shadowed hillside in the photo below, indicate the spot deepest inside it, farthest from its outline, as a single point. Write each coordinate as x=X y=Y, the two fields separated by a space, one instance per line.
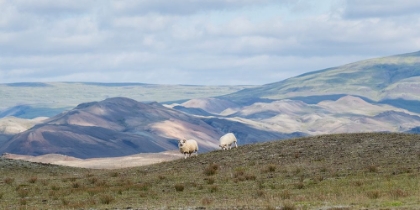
x=122 y=126
x=113 y=127
x=341 y=171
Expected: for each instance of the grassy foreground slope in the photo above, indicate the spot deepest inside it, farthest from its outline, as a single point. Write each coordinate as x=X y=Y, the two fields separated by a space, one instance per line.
x=341 y=171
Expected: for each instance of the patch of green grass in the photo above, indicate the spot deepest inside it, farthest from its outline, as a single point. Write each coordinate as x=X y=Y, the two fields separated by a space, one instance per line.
x=393 y=204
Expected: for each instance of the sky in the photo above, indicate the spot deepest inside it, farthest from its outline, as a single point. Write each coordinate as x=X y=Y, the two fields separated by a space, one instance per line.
x=197 y=42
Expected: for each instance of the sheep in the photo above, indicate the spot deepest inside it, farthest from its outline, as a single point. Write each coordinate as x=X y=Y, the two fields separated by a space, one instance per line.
x=187 y=147
x=227 y=140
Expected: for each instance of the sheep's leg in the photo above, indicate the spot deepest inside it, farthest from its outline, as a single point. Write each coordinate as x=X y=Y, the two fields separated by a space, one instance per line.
x=185 y=155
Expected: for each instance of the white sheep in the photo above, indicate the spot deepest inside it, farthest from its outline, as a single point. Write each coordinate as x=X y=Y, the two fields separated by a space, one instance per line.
x=187 y=147
x=227 y=140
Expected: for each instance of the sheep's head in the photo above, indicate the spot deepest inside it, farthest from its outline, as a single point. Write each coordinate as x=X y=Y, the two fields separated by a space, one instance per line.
x=181 y=143
x=224 y=147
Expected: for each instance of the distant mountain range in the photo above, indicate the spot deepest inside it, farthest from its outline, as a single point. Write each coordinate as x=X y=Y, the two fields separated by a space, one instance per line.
x=122 y=126
x=32 y=99
x=376 y=95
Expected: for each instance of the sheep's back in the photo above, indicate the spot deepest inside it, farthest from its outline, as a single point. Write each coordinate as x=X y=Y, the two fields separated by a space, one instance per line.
x=189 y=146
x=227 y=139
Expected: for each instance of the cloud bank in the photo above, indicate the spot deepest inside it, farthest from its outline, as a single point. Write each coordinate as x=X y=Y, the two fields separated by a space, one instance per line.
x=218 y=42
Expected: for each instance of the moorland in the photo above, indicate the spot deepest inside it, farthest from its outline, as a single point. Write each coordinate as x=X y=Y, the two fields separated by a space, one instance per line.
x=336 y=171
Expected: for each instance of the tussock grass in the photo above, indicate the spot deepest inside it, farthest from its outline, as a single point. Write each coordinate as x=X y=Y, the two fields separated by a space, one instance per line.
x=342 y=171
x=8 y=180
x=32 y=179
x=179 y=187
x=206 y=201
x=211 y=169
x=106 y=199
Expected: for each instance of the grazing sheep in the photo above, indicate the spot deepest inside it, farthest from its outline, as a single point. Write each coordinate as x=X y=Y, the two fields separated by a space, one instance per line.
x=227 y=140
x=188 y=147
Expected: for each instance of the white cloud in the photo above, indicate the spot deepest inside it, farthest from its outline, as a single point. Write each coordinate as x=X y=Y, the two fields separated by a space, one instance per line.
x=194 y=42
x=380 y=8
x=53 y=7
x=180 y=7
x=150 y=23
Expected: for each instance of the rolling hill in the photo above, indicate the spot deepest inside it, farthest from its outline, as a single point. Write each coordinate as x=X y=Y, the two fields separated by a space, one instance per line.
x=113 y=127
x=393 y=80
x=10 y=126
x=210 y=105
x=122 y=126
x=348 y=114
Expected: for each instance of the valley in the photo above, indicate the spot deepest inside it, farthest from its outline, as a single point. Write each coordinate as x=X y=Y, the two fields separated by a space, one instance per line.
x=95 y=120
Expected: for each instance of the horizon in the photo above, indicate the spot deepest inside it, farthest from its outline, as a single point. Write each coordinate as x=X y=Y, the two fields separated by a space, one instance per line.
x=142 y=83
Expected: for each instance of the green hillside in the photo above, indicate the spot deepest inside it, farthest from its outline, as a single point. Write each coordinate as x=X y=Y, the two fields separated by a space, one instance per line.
x=394 y=77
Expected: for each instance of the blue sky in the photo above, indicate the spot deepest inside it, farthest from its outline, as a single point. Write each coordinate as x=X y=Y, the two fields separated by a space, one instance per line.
x=197 y=42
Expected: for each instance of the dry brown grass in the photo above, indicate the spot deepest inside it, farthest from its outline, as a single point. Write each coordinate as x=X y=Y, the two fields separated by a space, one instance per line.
x=342 y=171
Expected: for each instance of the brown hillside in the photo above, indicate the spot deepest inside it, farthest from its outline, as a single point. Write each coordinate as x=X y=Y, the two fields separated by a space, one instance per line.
x=343 y=153
x=341 y=171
